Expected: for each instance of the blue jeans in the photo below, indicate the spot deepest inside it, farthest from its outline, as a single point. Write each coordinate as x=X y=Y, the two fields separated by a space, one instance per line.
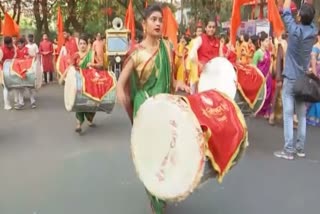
x=290 y=104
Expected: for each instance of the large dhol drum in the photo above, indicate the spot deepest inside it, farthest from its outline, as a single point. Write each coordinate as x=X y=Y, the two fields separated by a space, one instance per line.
x=33 y=77
x=76 y=101
x=219 y=74
x=168 y=147
x=243 y=104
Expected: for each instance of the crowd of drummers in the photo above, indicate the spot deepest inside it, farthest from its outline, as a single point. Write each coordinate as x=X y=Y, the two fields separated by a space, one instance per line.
x=194 y=50
x=258 y=50
x=24 y=47
x=276 y=58
x=281 y=65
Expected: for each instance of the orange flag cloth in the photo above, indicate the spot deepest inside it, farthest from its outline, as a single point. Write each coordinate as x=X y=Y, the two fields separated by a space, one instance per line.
x=60 y=29
x=236 y=18
x=10 y=27
x=130 y=21
x=275 y=18
x=170 y=26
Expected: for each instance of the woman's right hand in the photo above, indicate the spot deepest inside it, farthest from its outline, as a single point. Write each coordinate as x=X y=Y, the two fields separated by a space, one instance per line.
x=122 y=97
x=60 y=81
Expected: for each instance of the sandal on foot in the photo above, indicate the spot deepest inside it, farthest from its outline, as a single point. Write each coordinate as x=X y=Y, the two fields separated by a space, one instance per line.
x=92 y=125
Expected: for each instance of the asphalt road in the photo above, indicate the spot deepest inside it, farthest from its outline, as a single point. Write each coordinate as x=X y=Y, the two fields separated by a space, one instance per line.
x=46 y=168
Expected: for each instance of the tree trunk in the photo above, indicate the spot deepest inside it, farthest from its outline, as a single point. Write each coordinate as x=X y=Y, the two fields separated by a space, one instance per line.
x=67 y=24
x=73 y=19
x=14 y=10
x=19 y=13
x=44 y=7
x=84 y=19
x=39 y=22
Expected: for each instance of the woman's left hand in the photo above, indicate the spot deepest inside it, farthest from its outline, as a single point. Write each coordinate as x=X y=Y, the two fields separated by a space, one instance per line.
x=60 y=81
x=181 y=86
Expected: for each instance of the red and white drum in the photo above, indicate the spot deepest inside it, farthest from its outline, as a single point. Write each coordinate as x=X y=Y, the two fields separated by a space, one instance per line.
x=168 y=147
x=252 y=89
x=219 y=74
x=172 y=136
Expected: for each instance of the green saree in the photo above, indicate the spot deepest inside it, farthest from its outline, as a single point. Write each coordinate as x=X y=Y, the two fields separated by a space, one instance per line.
x=159 y=81
x=81 y=116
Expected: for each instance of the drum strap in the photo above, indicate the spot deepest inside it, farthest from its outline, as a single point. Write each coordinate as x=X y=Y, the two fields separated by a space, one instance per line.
x=146 y=93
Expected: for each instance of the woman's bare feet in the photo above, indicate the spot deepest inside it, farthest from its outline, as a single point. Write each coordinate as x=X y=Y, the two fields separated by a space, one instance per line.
x=272 y=120
x=91 y=124
x=78 y=128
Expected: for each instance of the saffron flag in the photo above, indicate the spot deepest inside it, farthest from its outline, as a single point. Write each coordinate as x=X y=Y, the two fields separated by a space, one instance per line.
x=146 y=4
x=130 y=21
x=236 y=18
x=10 y=27
x=170 y=26
x=60 y=29
x=275 y=18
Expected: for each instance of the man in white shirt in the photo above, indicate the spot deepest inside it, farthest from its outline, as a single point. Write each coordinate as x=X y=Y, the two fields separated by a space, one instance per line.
x=33 y=51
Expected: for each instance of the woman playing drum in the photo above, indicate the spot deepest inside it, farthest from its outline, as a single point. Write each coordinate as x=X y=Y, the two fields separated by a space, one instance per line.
x=84 y=58
x=149 y=68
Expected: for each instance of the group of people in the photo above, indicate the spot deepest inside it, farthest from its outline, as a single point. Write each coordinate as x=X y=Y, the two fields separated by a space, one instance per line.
x=79 y=50
x=265 y=52
x=281 y=60
x=153 y=67
x=24 y=48
x=83 y=55
x=258 y=50
x=21 y=48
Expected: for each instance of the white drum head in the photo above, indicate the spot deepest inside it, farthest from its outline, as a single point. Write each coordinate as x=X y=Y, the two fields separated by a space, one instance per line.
x=1 y=77
x=219 y=74
x=168 y=147
x=70 y=88
x=38 y=72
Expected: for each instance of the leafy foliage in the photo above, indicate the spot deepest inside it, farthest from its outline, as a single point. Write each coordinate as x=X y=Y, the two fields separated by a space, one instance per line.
x=91 y=16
